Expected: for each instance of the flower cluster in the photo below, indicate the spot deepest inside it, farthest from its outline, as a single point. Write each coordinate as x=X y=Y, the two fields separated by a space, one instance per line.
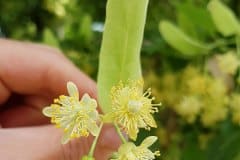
x=189 y=107
x=228 y=62
x=77 y=118
x=192 y=94
x=131 y=109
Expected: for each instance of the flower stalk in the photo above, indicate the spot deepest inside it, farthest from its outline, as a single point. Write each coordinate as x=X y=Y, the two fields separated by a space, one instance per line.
x=120 y=134
x=92 y=149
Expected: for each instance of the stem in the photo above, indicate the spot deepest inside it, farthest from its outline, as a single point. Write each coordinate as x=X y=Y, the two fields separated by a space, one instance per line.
x=120 y=134
x=221 y=43
x=95 y=142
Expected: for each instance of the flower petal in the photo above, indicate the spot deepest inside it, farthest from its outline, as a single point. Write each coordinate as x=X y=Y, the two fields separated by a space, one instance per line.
x=88 y=101
x=93 y=128
x=48 y=111
x=72 y=90
x=133 y=131
x=65 y=138
x=147 y=142
x=67 y=135
x=126 y=148
x=148 y=118
x=94 y=115
x=131 y=156
x=141 y=123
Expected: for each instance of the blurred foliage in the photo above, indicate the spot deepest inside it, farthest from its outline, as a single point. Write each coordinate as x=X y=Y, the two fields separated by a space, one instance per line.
x=200 y=116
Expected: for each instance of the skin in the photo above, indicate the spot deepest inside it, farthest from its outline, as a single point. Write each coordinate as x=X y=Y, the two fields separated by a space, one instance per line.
x=31 y=75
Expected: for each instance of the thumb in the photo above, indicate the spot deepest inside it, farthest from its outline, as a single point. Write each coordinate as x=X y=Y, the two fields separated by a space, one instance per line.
x=108 y=142
x=44 y=143
x=30 y=143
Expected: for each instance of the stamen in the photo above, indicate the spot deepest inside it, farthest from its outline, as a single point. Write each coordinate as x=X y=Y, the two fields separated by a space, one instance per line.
x=157 y=153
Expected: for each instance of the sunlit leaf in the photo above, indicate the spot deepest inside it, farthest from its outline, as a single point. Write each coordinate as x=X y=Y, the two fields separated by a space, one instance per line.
x=180 y=41
x=85 y=29
x=49 y=38
x=193 y=25
x=224 y=18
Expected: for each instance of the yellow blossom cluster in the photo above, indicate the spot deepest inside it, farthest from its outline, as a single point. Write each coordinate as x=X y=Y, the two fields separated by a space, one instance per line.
x=193 y=95
x=215 y=101
x=189 y=108
x=228 y=62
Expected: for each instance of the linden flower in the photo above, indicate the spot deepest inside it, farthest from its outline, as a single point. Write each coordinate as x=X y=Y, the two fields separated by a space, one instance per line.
x=131 y=108
x=129 y=151
x=189 y=108
x=228 y=62
x=77 y=118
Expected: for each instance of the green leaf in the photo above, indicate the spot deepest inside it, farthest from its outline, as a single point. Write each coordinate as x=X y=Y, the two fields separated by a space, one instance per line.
x=199 y=25
x=180 y=41
x=224 y=18
x=85 y=29
x=191 y=149
x=225 y=144
x=49 y=38
x=238 y=45
x=173 y=153
x=120 y=50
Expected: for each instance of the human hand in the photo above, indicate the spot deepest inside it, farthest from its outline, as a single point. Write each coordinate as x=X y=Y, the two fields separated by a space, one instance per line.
x=31 y=75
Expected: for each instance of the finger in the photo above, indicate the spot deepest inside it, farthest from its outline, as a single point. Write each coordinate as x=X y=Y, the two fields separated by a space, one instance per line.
x=25 y=69
x=33 y=143
x=4 y=93
x=26 y=111
x=30 y=144
x=22 y=115
x=108 y=142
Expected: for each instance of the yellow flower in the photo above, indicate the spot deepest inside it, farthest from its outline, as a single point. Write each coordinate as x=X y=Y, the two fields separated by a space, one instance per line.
x=198 y=84
x=189 y=108
x=228 y=62
x=131 y=108
x=129 y=151
x=215 y=103
x=77 y=118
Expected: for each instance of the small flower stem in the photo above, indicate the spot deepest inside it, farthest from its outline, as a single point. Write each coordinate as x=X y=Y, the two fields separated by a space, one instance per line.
x=95 y=142
x=221 y=43
x=120 y=134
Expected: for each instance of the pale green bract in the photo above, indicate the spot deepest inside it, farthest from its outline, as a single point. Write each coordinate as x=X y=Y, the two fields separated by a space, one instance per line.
x=224 y=18
x=180 y=41
x=120 y=51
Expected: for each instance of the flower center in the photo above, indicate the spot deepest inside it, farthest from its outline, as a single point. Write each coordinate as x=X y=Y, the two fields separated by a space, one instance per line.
x=134 y=106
